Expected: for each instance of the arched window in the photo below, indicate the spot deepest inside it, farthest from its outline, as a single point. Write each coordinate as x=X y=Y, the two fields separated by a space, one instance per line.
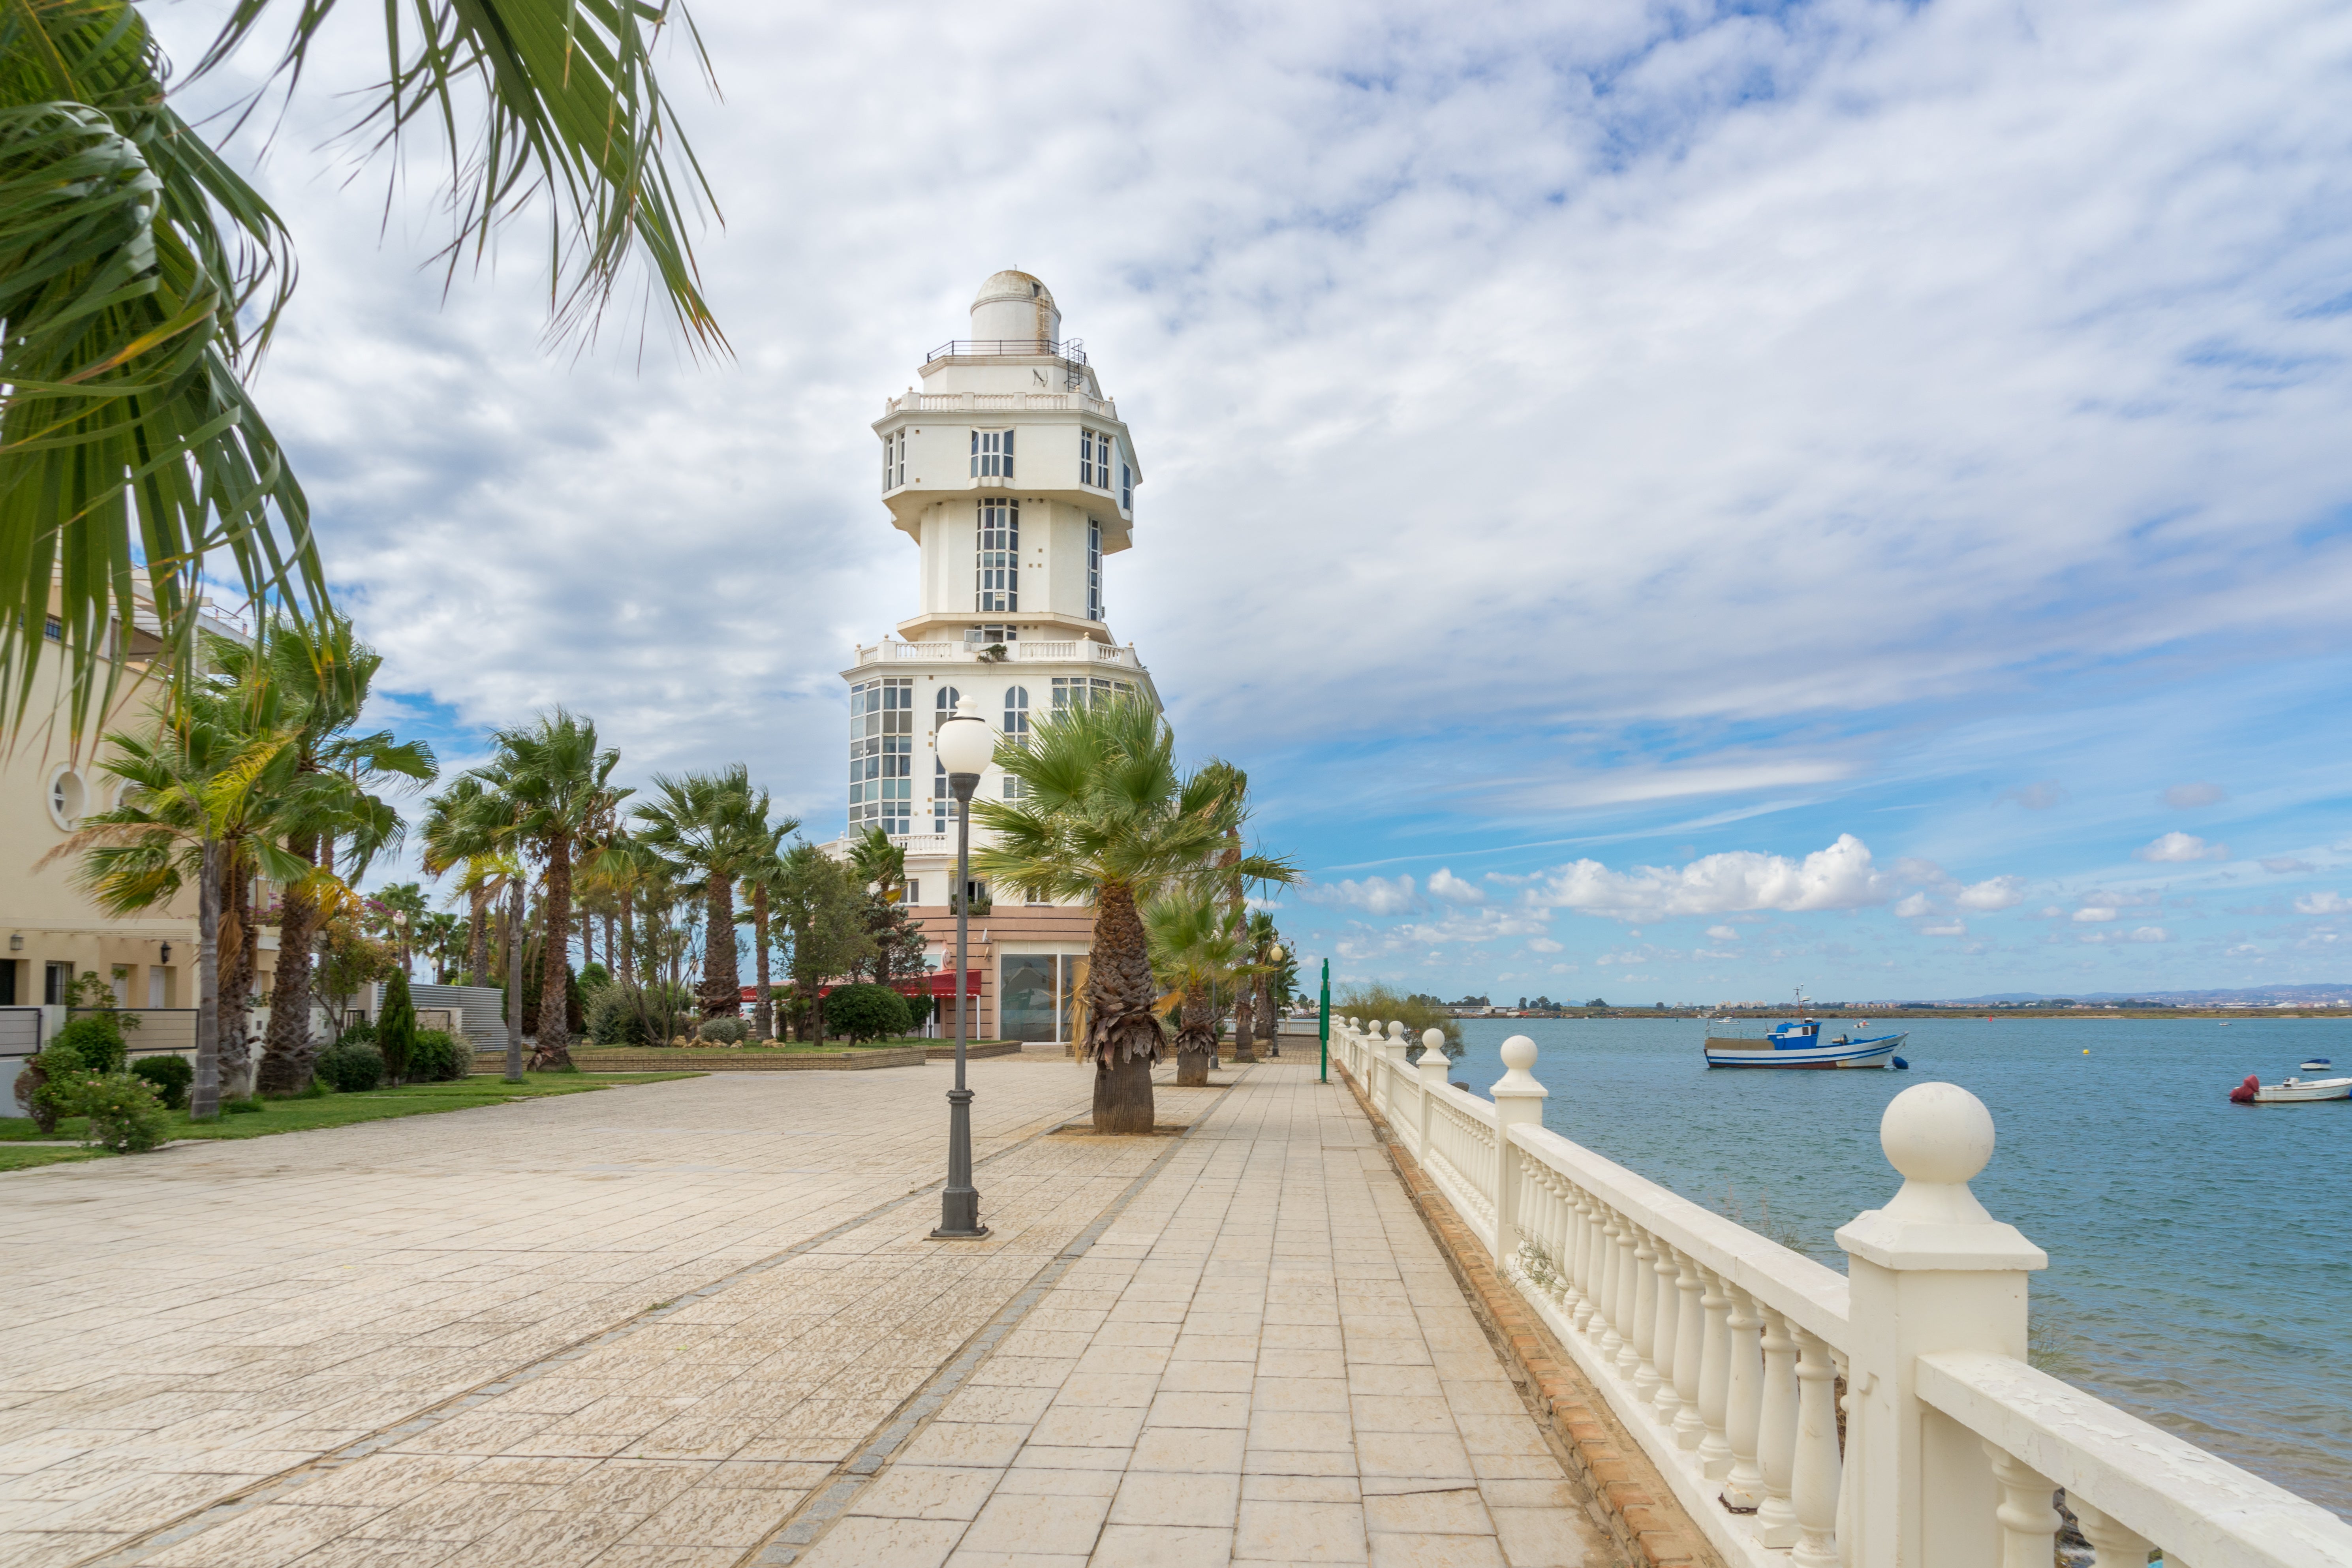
x=946 y=705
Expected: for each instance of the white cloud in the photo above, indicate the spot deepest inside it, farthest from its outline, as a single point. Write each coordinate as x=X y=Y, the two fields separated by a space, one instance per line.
x=1912 y=907
x=1957 y=928
x=2180 y=847
x=2096 y=913
x=1841 y=877
x=1373 y=895
x=2040 y=796
x=1993 y=893
x=2143 y=933
x=1723 y=933
x=1444 y=884
x=2183 y=796
x=1543 y=944
x=2328 y=903
x=2286 y=865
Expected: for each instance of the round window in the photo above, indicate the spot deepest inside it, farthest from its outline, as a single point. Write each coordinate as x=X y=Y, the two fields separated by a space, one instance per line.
x=68 y=798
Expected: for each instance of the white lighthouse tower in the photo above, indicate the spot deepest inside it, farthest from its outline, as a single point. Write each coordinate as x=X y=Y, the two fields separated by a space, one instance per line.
x=1013 y=472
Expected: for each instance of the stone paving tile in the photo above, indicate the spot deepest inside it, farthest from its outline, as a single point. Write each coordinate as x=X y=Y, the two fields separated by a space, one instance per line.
x=1263 y=1359
x=270 y=1300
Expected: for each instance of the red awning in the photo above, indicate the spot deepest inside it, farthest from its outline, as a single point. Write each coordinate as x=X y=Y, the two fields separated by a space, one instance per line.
x=938 y=982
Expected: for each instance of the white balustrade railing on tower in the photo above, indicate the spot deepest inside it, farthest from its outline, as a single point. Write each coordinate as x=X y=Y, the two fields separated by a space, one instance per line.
x=1074 y=650
x=1047 y=401
x=1729 y=1357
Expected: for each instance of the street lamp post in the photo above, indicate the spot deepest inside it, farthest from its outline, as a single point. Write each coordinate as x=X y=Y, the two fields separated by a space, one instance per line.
x=1323 y=1026
x=1274 y=956
x=965 y=743
x=400 y=936
x=514 y=982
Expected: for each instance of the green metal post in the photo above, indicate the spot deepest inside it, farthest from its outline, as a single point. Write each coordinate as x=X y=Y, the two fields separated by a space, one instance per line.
x=1324 y=1027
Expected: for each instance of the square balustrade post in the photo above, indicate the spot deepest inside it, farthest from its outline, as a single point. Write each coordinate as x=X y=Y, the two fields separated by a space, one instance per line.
x=1394 y=1071
x=1518 y=1100
x=1432 y=1067
x=1930 y=1271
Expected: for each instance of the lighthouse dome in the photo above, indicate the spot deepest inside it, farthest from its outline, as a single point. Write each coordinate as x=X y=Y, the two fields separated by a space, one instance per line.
x=1013 y=307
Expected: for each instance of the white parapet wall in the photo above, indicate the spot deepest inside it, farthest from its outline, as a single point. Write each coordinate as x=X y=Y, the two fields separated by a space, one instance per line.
x=1721 y=1351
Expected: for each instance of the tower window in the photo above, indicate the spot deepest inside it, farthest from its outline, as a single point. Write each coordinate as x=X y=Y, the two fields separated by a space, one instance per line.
x=996 y=575
x=1016 y=729
x=1126 y=488
x=943 y=802
x=882 y=755
x=1083 y=691
x=991 y=453
x=894 y=460
x=1094 y=569
x=1094 y=459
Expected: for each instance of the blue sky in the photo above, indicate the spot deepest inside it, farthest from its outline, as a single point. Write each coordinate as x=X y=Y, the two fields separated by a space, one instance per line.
x=1668 y=501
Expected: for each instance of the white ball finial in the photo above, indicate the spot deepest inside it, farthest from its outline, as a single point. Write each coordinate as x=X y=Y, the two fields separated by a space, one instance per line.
x=1518 y=1083
x=1396 y=1031
x=1434 y=1040
x=1938 y=1133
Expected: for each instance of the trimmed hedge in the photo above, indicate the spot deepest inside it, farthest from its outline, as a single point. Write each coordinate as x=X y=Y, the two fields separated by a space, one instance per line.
x=352 y=1068
x=169 y=1077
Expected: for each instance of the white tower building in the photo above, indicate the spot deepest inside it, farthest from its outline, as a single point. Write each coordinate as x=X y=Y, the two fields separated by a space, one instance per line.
x=1011 y=471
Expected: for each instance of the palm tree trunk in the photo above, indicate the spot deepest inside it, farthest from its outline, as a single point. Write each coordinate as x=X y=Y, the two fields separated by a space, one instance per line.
x=763 y=1012
x=1196 y=1041
x=723 y=986
x=203 y=1095
x=1123 y=1038
x=629 y=934
x=1245 y=1022
x=555 y=961
x=287 y=1050
x=478 y=934
x=240 y=961
x=587 y=939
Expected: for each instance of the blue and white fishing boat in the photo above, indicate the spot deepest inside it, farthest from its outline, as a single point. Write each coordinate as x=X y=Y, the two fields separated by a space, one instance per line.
x=1800 y=1045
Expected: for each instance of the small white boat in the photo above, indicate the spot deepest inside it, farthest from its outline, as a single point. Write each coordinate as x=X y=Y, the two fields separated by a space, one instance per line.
x=2316 y=1064
x=2291 y=1091
x=1800 y=1045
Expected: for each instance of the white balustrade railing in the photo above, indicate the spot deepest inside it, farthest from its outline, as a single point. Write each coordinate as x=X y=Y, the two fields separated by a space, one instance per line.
x=1073 y=650
x=1729 y=1357
x=1044 y=401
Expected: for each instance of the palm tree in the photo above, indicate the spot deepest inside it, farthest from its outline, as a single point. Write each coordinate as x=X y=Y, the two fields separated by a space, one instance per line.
x=1105 y=815
x=1197 y=951
x=762 y=877
x=140 y=279
x=710 y=828
x=555 y=798
x=393 y=901
x=458 y=829
x=196 y=807
x=327 y=670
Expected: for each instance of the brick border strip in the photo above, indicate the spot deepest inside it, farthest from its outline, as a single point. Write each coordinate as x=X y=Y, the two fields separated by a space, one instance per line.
x=1630 y=1499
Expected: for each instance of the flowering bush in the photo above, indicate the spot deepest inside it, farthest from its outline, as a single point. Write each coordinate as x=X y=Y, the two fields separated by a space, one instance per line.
x=47 y=1087
x=125 y=1114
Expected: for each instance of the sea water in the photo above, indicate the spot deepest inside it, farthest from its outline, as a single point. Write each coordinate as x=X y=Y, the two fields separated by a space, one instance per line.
x=2201 y=1260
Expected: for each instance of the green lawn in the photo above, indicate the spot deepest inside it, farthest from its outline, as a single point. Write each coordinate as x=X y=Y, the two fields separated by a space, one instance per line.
x=299 y=1115
x=26 y=1159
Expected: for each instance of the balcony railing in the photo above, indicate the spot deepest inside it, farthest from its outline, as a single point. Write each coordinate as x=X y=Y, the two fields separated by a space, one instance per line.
x=1721 y=1351
x=1072 y=350
x=1000 y=403
x=1079 y=650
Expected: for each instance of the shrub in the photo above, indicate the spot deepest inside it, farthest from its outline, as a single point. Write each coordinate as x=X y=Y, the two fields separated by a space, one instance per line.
x=1416 y=1013
x=919 y=1010
x=360 y=1034
x=125 y=1114
x=395 y=1028
x=866 y=1012
x=47 y=1086
x=169 y=1077
x=439 y=1057
x=353 y=1069
x=97 y=1038
x=722 y=1031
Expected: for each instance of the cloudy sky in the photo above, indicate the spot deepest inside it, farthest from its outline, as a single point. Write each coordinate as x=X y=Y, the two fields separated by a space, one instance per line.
x=1667 y=502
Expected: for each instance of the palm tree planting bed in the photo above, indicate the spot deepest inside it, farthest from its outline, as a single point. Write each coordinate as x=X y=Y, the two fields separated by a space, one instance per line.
x=757 y=1058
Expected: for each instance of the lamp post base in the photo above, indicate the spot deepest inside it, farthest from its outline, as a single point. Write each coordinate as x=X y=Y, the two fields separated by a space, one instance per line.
x=959 y=1200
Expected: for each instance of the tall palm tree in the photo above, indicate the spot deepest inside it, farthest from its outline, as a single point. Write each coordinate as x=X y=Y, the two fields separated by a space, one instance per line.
x=762 y=877
x=196 y=807
x=555 y=799
x=140 y=279
x=1197 y=952
x=710 y=828
x=461 y=828
x=390 y=902
x=1105 y=815
x=324 y=668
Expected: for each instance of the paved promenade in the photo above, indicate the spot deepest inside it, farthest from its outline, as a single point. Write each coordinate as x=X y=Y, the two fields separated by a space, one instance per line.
x=698 y=1323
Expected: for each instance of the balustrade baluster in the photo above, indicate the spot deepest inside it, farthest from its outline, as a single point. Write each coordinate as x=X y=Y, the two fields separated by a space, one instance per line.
x=1376 y=1069
x=1581 y=1221
x=1663 y=1399
x=1604 y=1312
x=2112 y=1546
x=1635 y=1360
x=1813 y=1476
x=1715 y=1376
x=1621 y=1308
x=1690 y=1344
x=1743 y=1485
x=1849 y=1462
x=1776 y=1433
x=2029 y=1524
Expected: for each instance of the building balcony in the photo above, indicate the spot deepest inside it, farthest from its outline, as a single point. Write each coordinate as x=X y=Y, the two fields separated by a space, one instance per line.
x=1072 y=350
x=1076 y=650
x=1000 y=403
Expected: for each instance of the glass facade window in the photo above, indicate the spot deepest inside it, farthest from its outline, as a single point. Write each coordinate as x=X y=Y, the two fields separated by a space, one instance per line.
x=991 y=453
x=1126 y=488
x=1016 y=729
x=996 y=573
x=1085 y=690
x=1094 y=569
x=1094 y=459
x=1034 y=992
x=894 y=460
x=980 y=637
x=882 y=755
x=943 y=802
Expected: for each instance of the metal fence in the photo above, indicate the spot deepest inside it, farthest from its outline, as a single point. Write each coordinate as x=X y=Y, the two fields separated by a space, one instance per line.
x=149 y=1031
